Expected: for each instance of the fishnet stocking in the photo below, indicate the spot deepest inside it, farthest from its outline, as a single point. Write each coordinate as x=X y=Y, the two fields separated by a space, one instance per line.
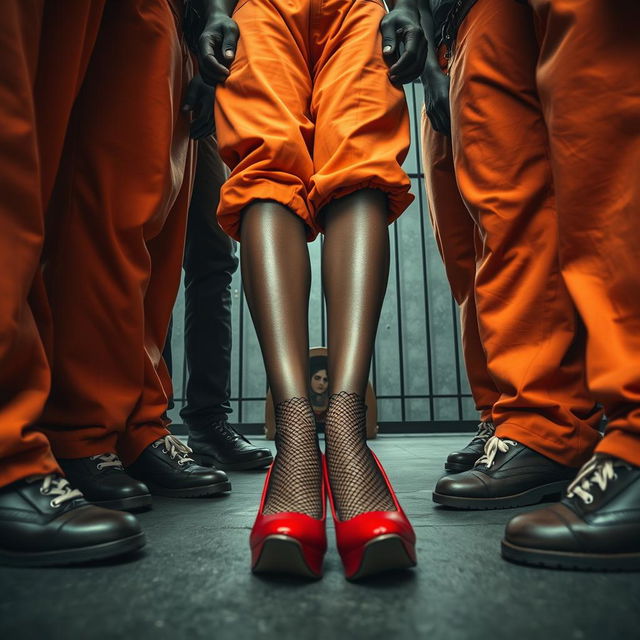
x=296 y=477
x=356 y=482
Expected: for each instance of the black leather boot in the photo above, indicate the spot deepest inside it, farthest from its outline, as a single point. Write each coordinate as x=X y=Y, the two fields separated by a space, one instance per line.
x=595 y=527
x=166 y=468
x=103 y=482
x=220 y=445
x=44 y=522
x=464 y=459
x=508 y=475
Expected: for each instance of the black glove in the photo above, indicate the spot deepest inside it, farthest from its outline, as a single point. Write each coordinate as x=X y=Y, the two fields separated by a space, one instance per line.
x=217 y=46
x=401 y=26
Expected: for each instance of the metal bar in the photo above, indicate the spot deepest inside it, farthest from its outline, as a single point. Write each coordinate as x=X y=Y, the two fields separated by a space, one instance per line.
x=423 y=247
x=399 y=321
x=373 y=367
x=323 y=302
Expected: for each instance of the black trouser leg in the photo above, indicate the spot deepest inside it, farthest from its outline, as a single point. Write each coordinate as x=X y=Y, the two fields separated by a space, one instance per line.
x=209 y=264
x=168 y=359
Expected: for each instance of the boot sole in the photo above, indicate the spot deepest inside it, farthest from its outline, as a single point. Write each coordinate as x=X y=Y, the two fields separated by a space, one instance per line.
x=568 y=560
x=190 y=492
x=132 y=503
x=531 y=496
x=384 y=553
x=78 y=555
x=209 y=461
x=283 y=555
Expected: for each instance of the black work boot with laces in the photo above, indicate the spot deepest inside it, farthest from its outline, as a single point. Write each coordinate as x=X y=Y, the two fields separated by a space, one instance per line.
x=166 y=467
x=464 y=459
x=45 y=522
x=507 y=475
x=219 y=445
x=103 y=482
x=595 y=527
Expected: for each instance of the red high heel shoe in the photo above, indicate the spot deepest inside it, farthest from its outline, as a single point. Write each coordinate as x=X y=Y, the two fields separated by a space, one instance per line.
x=288 y=542
x=375 y=541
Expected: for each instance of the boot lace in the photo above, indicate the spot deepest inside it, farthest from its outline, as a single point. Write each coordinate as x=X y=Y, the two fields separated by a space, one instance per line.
x=486 y=430
x=59 y=488
x=175 y=448
x=491 y=449
x=108 y=460
x=598 y=471
x=226 y=431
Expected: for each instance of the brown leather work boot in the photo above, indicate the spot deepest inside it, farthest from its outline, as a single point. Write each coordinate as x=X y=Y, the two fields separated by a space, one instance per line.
x=595 y=527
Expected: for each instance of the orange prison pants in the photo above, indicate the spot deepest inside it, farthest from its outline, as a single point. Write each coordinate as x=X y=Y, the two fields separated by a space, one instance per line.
x=115 y=235
x=307 y=113
x=36 y=39
x=529 y=327
x=458 y=239
x=588 y=80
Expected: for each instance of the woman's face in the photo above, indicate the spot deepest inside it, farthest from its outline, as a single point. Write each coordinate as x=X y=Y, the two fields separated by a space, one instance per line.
x=319 y=381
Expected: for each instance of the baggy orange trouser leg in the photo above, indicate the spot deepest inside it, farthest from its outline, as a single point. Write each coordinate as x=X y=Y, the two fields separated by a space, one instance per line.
x=122 y=169
x=528 y=324
x=24 y=371
x=31 y=140
x=589 y=84
x=457 y=237
x=166 y=253
x=68 y=35
x=328 y=123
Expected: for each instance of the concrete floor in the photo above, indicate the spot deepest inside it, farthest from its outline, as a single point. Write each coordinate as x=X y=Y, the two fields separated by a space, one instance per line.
x=193 y=580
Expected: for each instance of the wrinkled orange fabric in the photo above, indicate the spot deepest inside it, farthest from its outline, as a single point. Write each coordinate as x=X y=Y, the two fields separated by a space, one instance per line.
x=529 y=327
x=588 y=77
x=458 y=238
x=34 y=116
x=307 y=113
x=116 y=234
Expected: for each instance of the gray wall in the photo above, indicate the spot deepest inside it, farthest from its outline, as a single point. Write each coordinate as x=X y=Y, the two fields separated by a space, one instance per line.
x=417 y=368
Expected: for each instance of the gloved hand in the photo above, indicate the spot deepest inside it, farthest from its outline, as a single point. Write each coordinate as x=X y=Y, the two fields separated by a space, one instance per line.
x=401 y=26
